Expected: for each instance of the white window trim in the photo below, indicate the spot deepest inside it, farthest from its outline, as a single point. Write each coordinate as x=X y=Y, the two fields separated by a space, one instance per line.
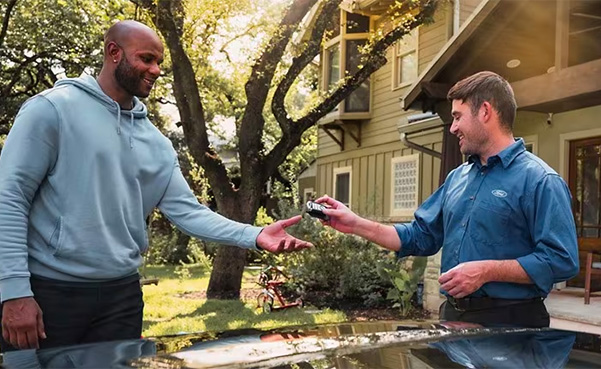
x=308 y=190
x=343 y=170
x=533 y=140
x=395 y=85
x=400 y=159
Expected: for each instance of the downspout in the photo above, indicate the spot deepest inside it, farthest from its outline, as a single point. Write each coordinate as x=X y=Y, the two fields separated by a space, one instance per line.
x=420 y=148
x=421 y=118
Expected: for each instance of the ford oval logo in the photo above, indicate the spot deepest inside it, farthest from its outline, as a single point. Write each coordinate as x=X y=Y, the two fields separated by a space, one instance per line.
x=499 y=193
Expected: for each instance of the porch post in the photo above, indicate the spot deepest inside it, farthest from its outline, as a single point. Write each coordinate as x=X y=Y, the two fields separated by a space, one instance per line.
x=451 y=156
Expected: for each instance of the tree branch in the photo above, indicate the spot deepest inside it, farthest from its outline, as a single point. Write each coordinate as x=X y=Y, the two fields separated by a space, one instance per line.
x=17 y=72
x=257 y=89
x=311 y=50
x=375 y=60
x=168 y=19
x=6 y=20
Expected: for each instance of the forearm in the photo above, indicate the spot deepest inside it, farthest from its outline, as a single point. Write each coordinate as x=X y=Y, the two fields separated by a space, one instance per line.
x=182 y=209
x=506 y=271
x=383 y=235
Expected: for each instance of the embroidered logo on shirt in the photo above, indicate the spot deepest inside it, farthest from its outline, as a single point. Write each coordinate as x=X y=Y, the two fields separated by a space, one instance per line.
x=499 y=193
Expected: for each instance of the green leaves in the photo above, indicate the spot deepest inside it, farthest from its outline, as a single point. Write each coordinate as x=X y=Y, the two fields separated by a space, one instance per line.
x=405 y=277
x=48 y=39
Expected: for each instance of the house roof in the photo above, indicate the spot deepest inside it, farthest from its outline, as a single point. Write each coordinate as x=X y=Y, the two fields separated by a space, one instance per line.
x=524 y=32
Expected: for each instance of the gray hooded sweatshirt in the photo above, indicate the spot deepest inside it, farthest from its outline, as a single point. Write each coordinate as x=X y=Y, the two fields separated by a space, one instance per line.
x=78 y=178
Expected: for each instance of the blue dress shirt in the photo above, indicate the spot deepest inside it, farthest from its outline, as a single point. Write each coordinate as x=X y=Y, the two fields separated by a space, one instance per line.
x=514 y=207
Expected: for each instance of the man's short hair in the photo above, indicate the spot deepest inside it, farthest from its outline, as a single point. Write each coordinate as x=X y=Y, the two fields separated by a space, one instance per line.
x=487 y=86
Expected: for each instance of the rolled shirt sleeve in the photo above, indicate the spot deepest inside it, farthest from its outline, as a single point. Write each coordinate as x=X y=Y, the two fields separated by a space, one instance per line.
x=182 y=208
x=555 y=256
x=424 y=235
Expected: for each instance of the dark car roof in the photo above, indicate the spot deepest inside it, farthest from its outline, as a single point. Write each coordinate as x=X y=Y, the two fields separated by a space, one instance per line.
x=389 y=344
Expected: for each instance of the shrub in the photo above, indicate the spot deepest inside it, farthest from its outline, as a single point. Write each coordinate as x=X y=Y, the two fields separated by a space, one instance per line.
x=405 y=278
x=341 y=268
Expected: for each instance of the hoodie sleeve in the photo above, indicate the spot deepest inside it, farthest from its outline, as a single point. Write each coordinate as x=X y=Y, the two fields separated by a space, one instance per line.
x=182 y=208
x=29 y=154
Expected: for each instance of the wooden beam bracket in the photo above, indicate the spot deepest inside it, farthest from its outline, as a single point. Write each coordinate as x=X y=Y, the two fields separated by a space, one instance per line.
x=344 y=127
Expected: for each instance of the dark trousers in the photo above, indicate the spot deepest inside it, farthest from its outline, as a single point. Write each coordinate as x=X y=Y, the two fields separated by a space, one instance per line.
x=530 y=314
x=78 y=312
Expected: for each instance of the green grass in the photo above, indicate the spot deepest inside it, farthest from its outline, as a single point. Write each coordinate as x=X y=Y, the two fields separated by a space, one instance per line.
x=168 y=312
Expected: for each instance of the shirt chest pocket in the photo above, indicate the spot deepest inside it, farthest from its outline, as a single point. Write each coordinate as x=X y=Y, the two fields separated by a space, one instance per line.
x=489 y=222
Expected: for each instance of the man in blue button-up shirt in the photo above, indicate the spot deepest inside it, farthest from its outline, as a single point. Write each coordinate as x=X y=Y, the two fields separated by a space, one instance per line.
x=503 y=219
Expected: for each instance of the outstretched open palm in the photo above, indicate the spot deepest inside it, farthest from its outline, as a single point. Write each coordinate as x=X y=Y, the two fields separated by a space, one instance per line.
x=274 y=238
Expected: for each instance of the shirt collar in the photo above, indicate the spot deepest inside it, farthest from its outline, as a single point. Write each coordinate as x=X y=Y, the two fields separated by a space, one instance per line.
x=506 y=156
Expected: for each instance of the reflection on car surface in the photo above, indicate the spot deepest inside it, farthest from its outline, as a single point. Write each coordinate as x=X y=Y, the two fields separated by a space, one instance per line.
x=353 y=345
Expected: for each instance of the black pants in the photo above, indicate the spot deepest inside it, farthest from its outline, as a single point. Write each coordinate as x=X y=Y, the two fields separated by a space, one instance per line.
x=531 y=314
x=77 y=312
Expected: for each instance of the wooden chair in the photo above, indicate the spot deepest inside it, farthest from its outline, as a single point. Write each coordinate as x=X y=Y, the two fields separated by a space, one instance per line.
x=592 y=247
x=591 y=268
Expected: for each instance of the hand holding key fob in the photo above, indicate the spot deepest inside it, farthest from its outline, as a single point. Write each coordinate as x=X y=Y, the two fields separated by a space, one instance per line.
x=315 y=210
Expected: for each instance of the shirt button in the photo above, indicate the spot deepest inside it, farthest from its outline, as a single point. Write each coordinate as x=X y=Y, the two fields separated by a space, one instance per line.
x=482 y=173
x=463 y=224
x=472 y=197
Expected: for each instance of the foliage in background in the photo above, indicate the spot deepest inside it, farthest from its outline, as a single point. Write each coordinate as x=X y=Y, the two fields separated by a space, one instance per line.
x=275 y=70
x=47 y=39
x=340 y=269
x=405 y=278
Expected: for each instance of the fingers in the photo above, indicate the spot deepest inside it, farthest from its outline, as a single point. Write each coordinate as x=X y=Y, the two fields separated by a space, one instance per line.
x=291 y=244
x=325 y=199
x=21 y=341
x=41 y=328
x=32 y=339
x=5 y=333
x=445 y=277
x=285 y=223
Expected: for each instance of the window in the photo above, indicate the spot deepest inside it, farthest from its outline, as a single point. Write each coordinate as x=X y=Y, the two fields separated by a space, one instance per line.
x=405 y=185
x=585 y=186
x=531 y=143
x=342 y=185
x=308 y=194
x=333 y=57
x=342 y=57
x=358 y=100
x=405 y=60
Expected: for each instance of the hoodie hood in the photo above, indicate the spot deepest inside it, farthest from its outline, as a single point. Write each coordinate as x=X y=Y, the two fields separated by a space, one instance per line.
x=90 y=85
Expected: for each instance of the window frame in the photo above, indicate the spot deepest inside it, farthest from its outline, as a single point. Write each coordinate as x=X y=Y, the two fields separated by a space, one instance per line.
x=397 y=55
x=343 y=170
x=341 y=39
x=308 y=190
x=531 y=140
x=400 y=159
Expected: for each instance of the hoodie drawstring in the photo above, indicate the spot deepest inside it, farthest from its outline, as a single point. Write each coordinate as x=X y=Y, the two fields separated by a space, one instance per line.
x=131 y=133
x=118 y=118
x=131 y=119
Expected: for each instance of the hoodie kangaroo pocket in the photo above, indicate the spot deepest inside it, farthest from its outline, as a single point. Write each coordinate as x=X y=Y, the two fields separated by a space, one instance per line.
x=55 y=239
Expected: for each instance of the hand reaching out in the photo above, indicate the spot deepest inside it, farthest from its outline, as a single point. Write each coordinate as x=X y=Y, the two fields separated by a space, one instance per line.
x=342 y=218
x=274 y=238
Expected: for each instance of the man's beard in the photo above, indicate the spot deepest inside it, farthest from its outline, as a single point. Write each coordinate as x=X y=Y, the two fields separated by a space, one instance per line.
x=127 y=77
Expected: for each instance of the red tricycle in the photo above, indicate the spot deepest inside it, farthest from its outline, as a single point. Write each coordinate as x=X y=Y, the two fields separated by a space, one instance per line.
x=268 y=279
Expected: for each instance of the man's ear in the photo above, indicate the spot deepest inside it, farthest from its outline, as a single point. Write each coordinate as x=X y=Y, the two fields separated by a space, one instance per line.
x=485 y=112
x=113 y=51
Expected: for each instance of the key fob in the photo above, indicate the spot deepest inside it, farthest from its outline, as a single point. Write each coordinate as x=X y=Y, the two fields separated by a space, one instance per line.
x=315 y=210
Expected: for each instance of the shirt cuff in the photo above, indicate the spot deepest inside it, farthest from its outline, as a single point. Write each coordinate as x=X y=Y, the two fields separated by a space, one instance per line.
x=248 y=239
x=538 y=270
x=404 y=232
x=14 y=288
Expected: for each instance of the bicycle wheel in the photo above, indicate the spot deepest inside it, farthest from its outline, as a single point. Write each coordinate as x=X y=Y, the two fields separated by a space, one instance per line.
x=265 y=302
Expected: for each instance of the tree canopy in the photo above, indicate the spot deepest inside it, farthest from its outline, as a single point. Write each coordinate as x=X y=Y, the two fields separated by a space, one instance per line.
x=208 y=81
